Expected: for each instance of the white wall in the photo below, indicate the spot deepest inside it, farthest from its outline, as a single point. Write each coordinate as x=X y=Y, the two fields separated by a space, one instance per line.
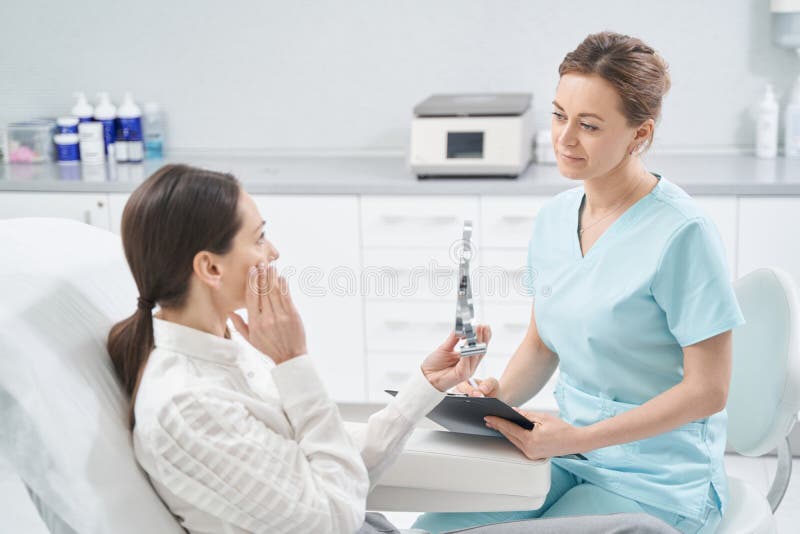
x=344 y=75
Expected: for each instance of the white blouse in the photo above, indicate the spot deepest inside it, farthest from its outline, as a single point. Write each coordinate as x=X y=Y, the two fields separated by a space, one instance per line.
x=233 y=443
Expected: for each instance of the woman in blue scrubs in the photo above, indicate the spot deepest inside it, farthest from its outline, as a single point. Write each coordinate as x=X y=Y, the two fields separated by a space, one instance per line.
x=632 y=302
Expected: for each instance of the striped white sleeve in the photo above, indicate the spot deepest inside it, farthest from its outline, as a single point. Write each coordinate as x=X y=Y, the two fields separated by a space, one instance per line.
x=216 y=455
x=382 y=440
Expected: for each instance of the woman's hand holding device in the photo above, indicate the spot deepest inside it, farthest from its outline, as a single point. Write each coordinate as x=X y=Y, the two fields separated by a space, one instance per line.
x=445 y=367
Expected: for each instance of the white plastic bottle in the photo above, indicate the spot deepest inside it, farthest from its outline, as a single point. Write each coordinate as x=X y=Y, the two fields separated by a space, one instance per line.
x=82 y=109
x=792 y=123
x=767 y=125
x=130 y=122
x=105 y=112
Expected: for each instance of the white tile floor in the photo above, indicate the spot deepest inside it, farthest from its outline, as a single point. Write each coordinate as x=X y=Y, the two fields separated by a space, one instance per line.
x=18 y=516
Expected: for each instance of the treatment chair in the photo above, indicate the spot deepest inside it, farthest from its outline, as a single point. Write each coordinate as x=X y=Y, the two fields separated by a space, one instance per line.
x=764 y=395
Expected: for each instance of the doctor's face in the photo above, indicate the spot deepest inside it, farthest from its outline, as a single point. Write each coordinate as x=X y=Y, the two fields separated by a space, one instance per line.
x=591 y=136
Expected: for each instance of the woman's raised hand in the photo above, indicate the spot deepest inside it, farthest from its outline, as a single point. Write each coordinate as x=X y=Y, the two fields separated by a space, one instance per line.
x=273 y=326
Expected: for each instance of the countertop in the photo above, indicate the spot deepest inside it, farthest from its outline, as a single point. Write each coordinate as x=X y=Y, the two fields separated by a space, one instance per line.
x=389 y=175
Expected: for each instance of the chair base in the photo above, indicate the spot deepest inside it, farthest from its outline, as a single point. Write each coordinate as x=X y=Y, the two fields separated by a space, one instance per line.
x=747 y=512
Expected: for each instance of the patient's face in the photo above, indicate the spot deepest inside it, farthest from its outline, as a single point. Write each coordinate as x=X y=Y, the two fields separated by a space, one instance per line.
x=250 y=246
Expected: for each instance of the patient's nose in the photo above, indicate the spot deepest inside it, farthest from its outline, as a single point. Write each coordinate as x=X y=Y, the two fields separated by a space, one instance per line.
x=272 y=253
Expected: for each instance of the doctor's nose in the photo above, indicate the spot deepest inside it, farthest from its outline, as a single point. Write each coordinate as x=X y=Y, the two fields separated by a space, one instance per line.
x=567 y=137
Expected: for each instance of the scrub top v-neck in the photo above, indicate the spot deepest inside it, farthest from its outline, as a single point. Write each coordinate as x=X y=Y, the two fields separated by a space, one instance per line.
x=618 y=318
x=618 y=222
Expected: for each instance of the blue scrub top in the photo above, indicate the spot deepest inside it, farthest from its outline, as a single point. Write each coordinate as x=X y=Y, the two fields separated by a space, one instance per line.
x=655 y=281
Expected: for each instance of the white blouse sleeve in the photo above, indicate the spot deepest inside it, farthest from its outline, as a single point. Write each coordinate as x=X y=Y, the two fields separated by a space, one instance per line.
x=387 y=431
x=213 y=453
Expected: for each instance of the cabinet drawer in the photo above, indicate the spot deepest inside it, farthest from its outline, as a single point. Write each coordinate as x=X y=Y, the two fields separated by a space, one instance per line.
x=435 y=222
x=503 y=276
x=508 y=222
x=408 y=326
x=89 y=208
x=768 y=234
x=410 y=274
x=509 y=324
x=390 y=370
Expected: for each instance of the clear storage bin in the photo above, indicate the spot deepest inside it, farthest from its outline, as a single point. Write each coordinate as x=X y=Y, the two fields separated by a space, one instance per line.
x=30 y=141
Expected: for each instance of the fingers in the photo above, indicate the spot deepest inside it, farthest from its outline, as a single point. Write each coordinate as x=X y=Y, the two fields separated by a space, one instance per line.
x=464 y=387
x=507 y=428
x=285 y=296
x=516 y=442
x=264 y=302
x=488 y=386
x=240 y=325
x=533 y=417
x=484 y=333
x=450 y=343
x=272 y=290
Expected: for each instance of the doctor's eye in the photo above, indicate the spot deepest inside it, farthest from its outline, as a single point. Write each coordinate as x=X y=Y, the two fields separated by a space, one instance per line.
x=588 y=127
x=558 y=115
x=261 y=238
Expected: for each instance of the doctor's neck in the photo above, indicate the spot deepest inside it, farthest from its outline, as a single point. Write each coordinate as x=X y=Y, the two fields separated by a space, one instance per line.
x=624 y=183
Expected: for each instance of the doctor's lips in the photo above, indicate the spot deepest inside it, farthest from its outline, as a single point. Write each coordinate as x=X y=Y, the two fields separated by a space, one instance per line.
x=570 y=157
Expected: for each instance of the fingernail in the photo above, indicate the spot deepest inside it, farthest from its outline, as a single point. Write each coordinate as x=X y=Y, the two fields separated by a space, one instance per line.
x=252 y=269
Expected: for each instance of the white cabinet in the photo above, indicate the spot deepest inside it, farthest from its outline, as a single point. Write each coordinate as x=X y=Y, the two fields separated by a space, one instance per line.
x=317 y=237
x=417 y=222
x=89 y=208
x=768 y=234
x=116 y=203
x=410 y=265
x=374 y=277
x=507 y=222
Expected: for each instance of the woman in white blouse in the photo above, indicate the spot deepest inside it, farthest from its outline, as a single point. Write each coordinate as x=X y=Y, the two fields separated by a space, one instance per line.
x=239 y=435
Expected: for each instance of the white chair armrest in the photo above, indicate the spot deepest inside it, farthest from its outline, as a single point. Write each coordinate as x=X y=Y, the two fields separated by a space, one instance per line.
x=447 y=472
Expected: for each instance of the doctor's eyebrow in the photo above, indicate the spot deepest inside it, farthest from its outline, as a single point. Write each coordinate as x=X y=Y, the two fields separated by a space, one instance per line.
x=598 y=117
x=260 y=225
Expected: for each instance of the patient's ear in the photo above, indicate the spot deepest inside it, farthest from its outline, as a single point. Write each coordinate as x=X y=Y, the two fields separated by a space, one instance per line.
x=207 y=268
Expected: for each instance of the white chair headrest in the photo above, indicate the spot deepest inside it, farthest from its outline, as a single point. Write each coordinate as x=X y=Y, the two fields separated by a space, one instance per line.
x=764 y=396
x=63 y=416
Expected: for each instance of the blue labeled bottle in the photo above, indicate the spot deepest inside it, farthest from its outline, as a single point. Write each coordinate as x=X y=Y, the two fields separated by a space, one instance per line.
x=105 y=113
x=130 y=123
x=82 y=109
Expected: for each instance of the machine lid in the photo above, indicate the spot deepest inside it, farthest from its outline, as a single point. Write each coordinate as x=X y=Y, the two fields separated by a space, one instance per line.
x=471 y=105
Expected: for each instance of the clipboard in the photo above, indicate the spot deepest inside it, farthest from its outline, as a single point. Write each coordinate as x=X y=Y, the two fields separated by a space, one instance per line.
x=460 y=413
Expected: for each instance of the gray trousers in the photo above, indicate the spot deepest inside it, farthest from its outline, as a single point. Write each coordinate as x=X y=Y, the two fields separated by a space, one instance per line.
x=580 y=524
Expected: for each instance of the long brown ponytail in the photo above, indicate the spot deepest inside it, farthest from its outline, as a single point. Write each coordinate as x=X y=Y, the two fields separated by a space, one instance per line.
x=174 y=214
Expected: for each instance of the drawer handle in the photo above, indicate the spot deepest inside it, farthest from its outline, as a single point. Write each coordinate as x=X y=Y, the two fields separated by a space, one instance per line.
x=432 y=219
x=400 y=377
x=518 y=219
x=401 y=325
